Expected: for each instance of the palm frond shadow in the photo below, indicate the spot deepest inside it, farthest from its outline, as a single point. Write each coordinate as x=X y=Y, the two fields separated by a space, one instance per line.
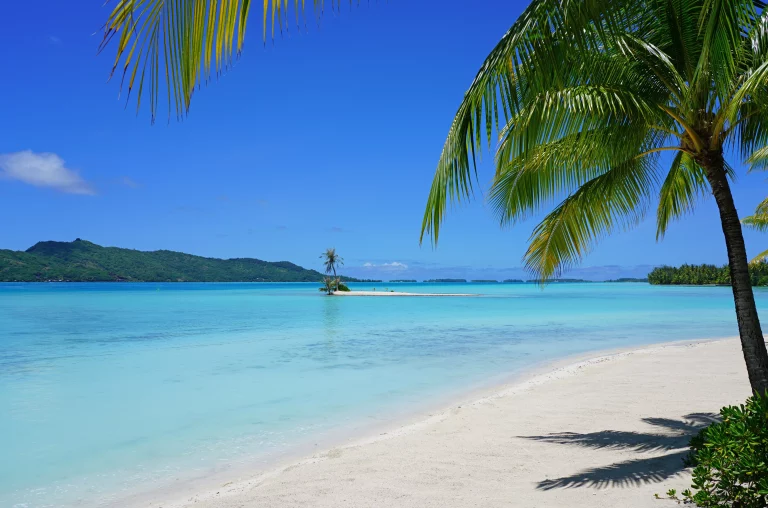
x=673 y=437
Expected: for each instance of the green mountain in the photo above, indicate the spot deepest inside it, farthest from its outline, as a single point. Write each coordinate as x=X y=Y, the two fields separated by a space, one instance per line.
x=83 y=261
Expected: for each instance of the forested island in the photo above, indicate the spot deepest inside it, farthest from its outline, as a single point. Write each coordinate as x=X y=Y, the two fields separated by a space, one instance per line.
x=83 y=261
x=705 y=275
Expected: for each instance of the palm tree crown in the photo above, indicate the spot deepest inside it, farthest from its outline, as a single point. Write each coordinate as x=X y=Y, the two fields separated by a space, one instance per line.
x=587 y=96
x=331 y=261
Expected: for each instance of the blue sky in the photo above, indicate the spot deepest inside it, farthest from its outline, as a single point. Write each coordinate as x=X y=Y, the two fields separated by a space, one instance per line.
x=357 y=108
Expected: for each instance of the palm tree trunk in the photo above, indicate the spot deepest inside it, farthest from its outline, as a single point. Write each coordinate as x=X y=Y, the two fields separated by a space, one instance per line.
x=752 y=341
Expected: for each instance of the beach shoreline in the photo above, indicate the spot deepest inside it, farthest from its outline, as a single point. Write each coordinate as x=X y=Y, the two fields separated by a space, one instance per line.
x=243 y=487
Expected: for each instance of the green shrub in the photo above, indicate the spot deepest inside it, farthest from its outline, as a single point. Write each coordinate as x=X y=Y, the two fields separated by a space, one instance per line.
x=342 y=287
x=705 y=274
x=731 y=458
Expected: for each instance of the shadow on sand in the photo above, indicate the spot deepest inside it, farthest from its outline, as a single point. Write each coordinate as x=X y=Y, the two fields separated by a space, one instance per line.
x=673 y=437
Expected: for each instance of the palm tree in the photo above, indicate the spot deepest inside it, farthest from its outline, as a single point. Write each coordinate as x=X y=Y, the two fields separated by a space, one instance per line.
x=758 y=221
x=588 y=98
x=586 y=95
x=329 y=285
x=331 y=260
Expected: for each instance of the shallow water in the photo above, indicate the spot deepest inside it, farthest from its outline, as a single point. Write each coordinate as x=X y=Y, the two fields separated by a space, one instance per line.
x=110 y=389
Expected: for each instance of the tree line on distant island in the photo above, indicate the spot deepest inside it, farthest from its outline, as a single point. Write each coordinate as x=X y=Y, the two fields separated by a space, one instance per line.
x=84 y=261
x=699 y=275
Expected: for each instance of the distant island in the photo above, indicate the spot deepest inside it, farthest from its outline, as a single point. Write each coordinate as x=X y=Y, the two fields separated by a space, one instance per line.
x=705 y=275
x=627 y=279
x=83 y=261
x=539 y=281
x=514 y=281
x=446 y=280
x=403 y=280
x=485 y=281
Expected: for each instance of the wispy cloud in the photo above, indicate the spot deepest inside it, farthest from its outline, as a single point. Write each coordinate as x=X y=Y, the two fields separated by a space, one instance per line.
x=336 y=229
x=53 y=39
x=43 y=170
x=129 y=182
x=394 y=266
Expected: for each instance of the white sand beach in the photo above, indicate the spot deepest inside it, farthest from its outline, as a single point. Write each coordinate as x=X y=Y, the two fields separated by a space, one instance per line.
x=396 y=293
x=606 y=432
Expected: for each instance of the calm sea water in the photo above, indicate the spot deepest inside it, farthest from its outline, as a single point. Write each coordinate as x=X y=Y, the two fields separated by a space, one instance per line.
x=110 y=389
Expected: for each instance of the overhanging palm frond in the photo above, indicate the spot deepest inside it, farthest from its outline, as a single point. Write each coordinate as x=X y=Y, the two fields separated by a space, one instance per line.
x=617 y=199
x=758 y=220
x=759 y=258
x=533 y=42
x=552 y=170
x=759 y=158
x=180 y=43
x=684 y=185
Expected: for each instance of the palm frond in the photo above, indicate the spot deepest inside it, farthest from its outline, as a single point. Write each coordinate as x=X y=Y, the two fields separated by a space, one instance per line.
x=183 y=42
x=521 y=61
x=721 y=23
x=684 y=185
x=617 y=199
x=548 y=171
x=758 y=220
x=748 y=133
x=759 y=159
x=683 y=47
x=760 y=258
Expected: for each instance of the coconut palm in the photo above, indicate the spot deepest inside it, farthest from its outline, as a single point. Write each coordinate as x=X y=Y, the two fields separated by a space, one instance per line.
x=331 y=261
x=600 y=105
x=758 y=221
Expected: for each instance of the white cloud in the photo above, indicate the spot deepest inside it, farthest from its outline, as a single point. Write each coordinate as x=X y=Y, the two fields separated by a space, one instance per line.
x=393 y=266
x=396 y=265
x=43 y=170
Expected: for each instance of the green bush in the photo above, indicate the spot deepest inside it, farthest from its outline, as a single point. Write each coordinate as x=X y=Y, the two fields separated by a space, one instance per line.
x=342 y=287
x=705 y=275
x=731 y=458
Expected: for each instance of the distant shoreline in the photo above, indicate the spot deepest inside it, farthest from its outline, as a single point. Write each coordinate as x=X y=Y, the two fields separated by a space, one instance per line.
x=396 y=293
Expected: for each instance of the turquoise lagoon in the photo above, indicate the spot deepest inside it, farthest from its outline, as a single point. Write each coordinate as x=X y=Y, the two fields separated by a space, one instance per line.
x=107 y=390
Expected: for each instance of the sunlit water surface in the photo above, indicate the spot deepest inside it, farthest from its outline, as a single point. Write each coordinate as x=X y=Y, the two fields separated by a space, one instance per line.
x=111 y=389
